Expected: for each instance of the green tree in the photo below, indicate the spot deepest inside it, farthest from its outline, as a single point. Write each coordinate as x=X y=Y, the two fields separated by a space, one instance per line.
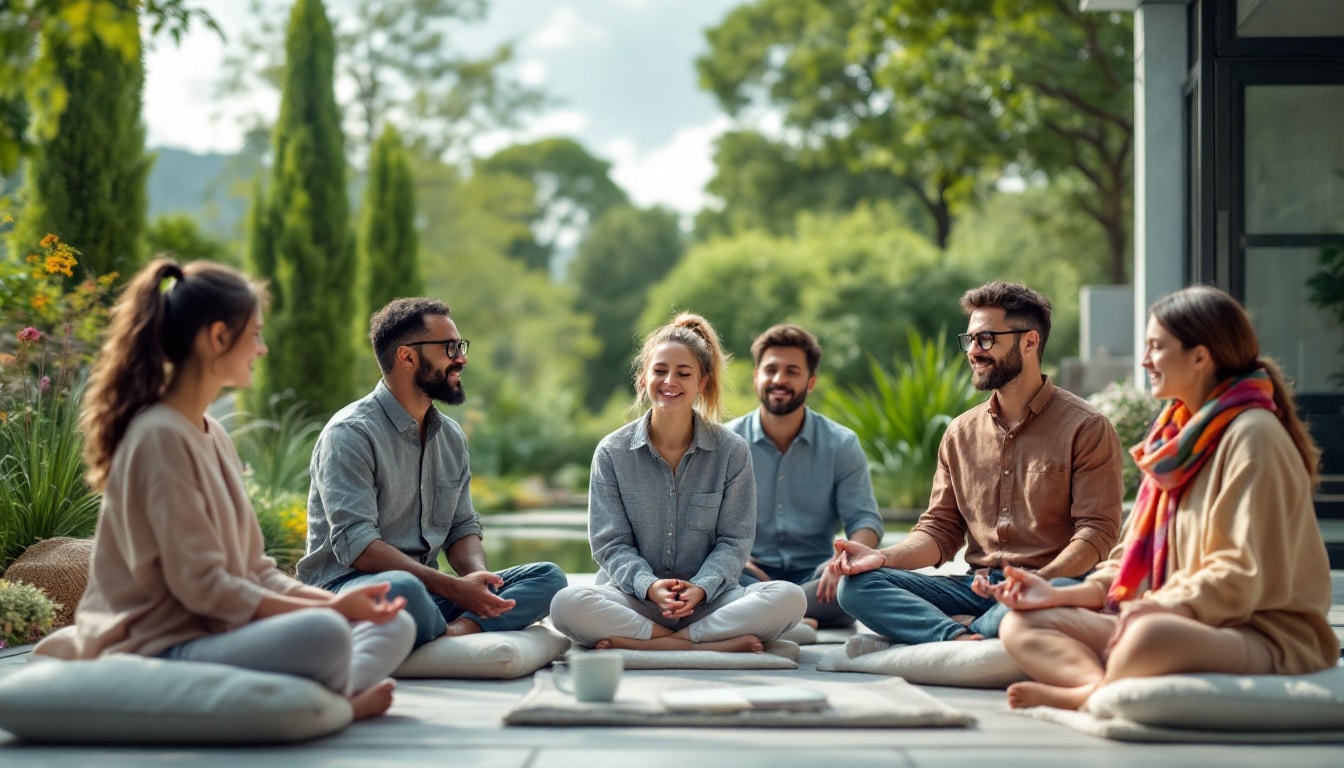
x=765 y=184
x=300 y=239
x=399 y=64
x=180 y=235
x=626 y=251
x=29 y=80
x=798 y=57
x=1058 y=80
x=573 y=189
x=389 y=245
x=86 y=183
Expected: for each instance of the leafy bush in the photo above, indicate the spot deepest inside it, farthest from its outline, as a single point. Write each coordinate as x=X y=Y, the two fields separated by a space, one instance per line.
x=1131 y=411
x=284 y=527
x=42 y=488
x=26 y=614
x=901 y=419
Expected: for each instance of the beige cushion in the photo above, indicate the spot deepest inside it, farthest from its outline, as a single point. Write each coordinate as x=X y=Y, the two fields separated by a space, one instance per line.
x=1227 y=702
x=778 y=654
x=492 y=655
x=978 y=664
x=136 y=700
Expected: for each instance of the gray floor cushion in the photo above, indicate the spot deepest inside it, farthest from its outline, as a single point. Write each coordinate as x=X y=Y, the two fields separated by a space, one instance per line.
x=779 y=654
x=486 y=655
x=971 y=664
x=137 y=700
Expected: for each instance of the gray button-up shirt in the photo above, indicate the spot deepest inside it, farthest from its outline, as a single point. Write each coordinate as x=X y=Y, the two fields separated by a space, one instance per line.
x=646 y=524
x=371 y=480
x=804 y=495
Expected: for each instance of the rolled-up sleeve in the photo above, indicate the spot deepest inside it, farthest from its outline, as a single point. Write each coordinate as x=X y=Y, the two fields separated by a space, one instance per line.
x=343 y=475
x=736 y=525
x=1097 y=486
x=854 y=498
x=943 y=520
x=609 y=531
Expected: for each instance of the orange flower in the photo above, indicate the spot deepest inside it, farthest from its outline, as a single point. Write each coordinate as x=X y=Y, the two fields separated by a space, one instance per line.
x=50 y=240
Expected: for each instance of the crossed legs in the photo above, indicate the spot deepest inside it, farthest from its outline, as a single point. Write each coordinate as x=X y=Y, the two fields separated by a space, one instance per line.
x=1064 y=650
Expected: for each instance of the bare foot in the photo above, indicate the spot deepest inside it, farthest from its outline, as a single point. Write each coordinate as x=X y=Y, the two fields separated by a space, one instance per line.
x=1032 y=694
x=968 y=636
x=601 y=645
x=374 y=700
x=809 y=622
x=461 y=626
x=740 y=644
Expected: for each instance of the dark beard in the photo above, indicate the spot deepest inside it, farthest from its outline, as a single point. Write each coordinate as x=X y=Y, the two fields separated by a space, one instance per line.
x=436 y=386
x=1000 y=372
x=786 y=407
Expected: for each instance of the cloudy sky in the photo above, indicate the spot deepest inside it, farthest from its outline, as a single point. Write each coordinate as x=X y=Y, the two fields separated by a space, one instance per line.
x=621 y=71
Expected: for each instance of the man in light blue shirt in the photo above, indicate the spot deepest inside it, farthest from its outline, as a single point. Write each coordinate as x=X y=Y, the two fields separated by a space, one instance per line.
x=811 y=476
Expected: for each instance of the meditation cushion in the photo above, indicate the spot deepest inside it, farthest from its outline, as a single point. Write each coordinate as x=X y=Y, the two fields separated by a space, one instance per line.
x=486 y=655
x=778 y=654
x=1227 y=702
x=978 y=664
x=127 y=699
x=60 y=568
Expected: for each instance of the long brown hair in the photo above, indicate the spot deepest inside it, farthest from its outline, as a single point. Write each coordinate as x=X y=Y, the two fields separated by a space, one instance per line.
x=1202 y=314
x=699 y=336
x=153 y=328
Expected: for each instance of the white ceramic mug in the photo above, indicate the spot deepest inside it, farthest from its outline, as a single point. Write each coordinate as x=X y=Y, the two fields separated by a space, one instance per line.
x=592 y=676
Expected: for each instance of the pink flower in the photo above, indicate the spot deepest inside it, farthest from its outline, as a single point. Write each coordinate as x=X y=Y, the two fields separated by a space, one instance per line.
x=30 y=335
x=44 y=384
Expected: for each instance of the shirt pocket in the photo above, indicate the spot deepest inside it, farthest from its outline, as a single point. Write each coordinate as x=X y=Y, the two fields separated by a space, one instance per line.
x=702 y=511
x=1048 y=483
x=444 y=507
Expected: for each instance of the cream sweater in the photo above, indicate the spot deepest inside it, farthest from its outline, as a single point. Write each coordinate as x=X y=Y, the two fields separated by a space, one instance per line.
x=1246 y=550
x=177 y=553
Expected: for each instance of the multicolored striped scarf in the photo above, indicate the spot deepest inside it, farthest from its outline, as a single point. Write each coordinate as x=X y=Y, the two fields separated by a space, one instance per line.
x=1170 y=457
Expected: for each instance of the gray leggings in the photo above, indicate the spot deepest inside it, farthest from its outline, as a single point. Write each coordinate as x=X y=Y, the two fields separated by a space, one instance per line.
x=316 y=643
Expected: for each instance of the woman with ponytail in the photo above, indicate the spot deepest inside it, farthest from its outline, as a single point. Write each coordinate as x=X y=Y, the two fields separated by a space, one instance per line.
x=1221 y=568
x=179 y=569
x=672 y=515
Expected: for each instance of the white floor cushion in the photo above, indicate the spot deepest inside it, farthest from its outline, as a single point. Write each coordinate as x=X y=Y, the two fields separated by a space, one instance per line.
x=778 y=654
x=1227 y=702
x=138 y=700
x=970 y=664
x=486 y=655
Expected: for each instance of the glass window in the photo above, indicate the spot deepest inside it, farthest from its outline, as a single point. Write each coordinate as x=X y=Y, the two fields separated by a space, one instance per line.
x=1306 y=339
x=1294 y=159
x=1290 y=18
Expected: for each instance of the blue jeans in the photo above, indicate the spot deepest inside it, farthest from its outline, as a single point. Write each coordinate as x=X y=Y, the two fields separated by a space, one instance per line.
x=826 y=614
x=909 y=608
x=531 y=586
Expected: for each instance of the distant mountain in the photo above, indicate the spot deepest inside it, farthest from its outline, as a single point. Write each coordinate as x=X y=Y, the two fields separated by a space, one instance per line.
x=212 y=188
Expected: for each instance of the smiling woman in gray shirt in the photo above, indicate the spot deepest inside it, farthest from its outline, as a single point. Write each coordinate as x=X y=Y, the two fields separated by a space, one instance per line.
x=671 y=516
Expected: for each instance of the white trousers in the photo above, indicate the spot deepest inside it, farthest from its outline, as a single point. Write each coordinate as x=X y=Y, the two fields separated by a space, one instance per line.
x=766 y=610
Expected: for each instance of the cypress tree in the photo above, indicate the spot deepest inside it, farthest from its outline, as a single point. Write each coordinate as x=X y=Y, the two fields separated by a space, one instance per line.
x=389 y=246
x=87 y=184
x=300 y=239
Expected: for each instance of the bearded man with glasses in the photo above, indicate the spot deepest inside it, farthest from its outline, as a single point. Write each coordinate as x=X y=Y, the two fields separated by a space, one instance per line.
x=391 y=489
x=1029 y=478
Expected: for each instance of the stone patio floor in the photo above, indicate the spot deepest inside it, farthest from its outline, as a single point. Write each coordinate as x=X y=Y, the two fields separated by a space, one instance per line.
x=459 y=723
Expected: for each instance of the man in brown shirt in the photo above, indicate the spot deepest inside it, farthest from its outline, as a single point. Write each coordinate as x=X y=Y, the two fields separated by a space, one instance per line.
x=1030 y=478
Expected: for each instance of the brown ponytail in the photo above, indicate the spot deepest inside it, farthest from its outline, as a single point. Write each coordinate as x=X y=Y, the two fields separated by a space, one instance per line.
x=699 y=336
x=153 y=327
x=1297 y=429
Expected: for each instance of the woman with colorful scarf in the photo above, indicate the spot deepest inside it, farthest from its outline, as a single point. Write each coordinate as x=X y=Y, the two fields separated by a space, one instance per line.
x=1221 y=568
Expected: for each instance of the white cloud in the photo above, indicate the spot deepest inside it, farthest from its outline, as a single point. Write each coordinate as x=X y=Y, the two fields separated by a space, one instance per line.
x=673 y=175
x=561 y=122
x=532 y=72
x=565 y=29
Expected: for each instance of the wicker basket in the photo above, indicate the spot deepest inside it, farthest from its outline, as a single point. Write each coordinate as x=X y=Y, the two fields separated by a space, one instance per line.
x=59 y=567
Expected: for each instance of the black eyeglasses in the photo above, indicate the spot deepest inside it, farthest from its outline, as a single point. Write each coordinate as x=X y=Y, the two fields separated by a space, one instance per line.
x=451 y=347
x=984 y=338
